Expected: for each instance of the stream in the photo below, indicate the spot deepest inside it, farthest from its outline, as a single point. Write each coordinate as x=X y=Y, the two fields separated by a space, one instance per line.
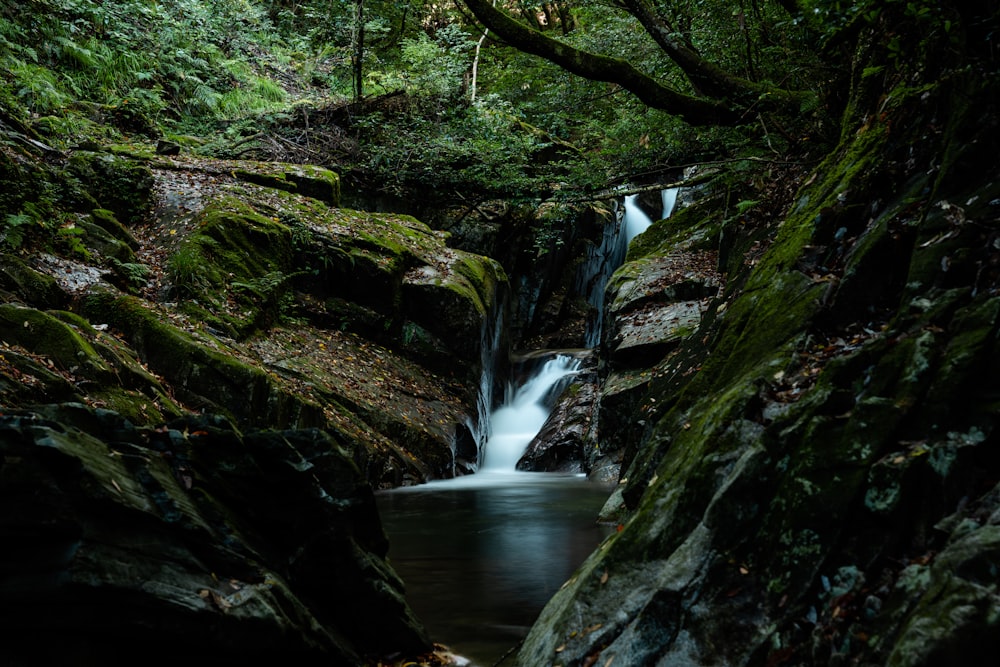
x=482 y=554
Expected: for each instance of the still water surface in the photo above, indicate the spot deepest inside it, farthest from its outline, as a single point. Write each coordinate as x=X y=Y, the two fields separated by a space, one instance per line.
x=481 y=555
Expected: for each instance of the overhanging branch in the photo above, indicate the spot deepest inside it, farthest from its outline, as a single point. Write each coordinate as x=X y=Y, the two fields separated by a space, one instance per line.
x=694 y=110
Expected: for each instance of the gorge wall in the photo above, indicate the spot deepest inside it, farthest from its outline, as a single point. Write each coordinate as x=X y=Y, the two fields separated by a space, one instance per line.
x=810 y=465
x=200 y=384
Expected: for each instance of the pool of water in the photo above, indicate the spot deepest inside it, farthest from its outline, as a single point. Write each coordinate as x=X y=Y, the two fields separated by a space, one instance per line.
x=481 y=555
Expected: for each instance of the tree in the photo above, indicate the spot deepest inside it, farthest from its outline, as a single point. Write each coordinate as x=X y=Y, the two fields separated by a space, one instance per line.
x=716 y=97
x=358 y=49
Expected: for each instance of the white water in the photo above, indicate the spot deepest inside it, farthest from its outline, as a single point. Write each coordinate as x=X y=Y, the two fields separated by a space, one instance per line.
x=489 y=348
x=669 y=199
x=636 y=221
x=603 y=259
x=515 y=423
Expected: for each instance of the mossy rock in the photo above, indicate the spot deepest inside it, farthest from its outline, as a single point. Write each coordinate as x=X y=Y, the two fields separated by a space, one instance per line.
x=42 y=333
x=236 y=254
x=67 y=359
x=148 y=522
x=691 y=228
x=109 y=223
x=400 y=268
x=28 y=285
x=119 y=184
x=200 y=375
x=307 y=180
x=98 y=239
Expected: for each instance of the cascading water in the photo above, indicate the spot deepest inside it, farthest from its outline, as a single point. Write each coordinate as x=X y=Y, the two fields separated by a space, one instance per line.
x=592 y=276
x=636 y=221
x=669 y=199
x=515 y=423
x=603 y=259
x=489 y=348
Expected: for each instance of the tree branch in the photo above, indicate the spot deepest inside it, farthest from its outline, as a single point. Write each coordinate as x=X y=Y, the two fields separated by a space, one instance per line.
x=726 y=98
x=694 y=110
x=707 y=77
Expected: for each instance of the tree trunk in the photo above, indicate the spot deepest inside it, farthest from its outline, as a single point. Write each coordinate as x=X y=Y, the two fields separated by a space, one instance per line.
x=357 y=58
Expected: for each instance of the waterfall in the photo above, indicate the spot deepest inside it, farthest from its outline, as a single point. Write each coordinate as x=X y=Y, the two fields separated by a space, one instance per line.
x=635 y=221
x=603 y=259
x=490 y=336
x=516 y=423
x=669 y=199
x=593 y=274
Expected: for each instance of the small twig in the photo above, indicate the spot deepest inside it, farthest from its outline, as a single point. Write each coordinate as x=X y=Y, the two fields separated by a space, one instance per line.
x=509 y=653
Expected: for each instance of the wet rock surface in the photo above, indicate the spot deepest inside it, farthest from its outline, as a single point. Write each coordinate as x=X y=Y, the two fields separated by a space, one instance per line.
x=247 y=293
x=809 y=475
x=189 y=539
x=198 y=392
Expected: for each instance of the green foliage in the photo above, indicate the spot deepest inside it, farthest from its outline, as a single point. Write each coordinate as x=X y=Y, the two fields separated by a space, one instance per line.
x=187 y=269
x=482 y=147
x=437 y=67
x=70 y=237
x=134 y=275
x=142 y=63
x=14 y=229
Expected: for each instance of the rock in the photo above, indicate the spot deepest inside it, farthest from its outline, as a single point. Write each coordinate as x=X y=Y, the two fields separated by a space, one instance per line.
x=308 y=180
x=181 y=536
x=815 y=479
x=119 y=184
x=166 y=147
x=655 y=302
x=567 y=441
x=29 y=286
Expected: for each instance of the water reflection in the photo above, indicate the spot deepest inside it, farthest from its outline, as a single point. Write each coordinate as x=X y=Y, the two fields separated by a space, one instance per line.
x=482 y=555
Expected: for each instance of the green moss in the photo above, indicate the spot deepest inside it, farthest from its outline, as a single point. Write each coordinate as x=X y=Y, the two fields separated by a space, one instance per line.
x=247 y=244
x=96 y=238
x=44 y=334
x=201 y=374
x=108 y=222
x=29 y=285
x=307 y=180
x=481 y=276
x=119 y=184
x=236 y=256
x=690 y=228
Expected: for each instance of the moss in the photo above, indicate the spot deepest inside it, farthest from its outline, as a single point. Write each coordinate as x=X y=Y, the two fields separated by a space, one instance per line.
x=690 y=228
x=108 y=222
x=481 y=276
x=316 y=182
x=119 y=184
x=97 y=238
x=247 y=244
x=307 y=180
x=201 y=375
x=44 y=334
x=29 y=285
x=236 y=256
x=136 y=406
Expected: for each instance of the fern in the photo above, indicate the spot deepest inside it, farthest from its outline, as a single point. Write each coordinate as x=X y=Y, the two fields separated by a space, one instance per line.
x=206 y=96
x=269 y=90
x=39 y=87
x=77 y=55
x=13 y=231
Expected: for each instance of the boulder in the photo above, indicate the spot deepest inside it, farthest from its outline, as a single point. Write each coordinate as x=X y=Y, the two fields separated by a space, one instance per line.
x=189 y=541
